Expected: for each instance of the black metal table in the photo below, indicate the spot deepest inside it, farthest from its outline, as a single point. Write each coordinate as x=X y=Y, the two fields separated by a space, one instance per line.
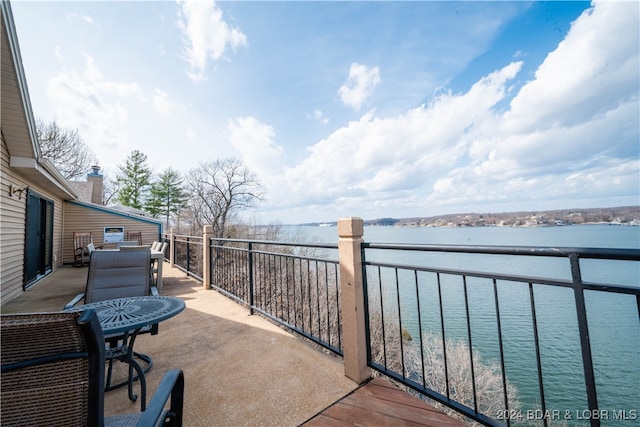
x=127 y=316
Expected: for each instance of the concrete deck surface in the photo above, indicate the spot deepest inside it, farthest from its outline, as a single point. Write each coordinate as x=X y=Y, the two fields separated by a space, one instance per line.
x=240 y=370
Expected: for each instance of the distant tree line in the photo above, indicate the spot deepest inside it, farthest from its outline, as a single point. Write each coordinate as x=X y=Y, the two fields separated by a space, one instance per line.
x=620 y=215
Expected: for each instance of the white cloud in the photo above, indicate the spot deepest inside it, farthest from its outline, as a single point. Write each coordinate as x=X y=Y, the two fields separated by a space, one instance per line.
x=375 y=157
x=255 y=141
x=571 y=133
x=207 y=35
x=162 y=103
x=594 y=68
x=92 y=104
x=319 y=116
x=359 y=86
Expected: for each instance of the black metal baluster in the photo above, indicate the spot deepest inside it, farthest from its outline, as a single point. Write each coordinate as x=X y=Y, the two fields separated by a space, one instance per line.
x=585 y=344
x=415 y=273
x=444 y=340
x=504 y=372
x=404 y=375
x=537 y=343
x=473 y=372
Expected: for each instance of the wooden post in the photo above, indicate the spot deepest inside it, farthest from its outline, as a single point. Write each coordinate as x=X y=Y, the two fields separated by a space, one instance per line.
x=207 y=233
x=354 y=339
x=172 y=248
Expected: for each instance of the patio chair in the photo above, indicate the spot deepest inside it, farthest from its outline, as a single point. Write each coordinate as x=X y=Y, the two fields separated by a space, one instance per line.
x=135 y=236
x=53 y=374
x=119 y=274
x=82 y=248
x=160 y=247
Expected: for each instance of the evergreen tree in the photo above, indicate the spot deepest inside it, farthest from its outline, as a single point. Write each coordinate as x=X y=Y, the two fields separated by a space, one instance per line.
x=134 y=180
x=166 y=195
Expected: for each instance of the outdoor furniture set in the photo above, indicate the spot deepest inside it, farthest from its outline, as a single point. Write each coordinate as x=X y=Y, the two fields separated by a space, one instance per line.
x=53 y=364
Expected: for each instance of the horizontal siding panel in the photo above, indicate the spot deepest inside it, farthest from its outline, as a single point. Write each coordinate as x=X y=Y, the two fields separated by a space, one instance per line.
x=80 y=218
x=58 y=234
x=12 y=223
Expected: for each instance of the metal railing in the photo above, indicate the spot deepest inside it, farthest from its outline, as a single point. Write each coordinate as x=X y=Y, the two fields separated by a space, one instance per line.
x=288 y=282
x=187 y=254
x=502 y=335
x=499 y=347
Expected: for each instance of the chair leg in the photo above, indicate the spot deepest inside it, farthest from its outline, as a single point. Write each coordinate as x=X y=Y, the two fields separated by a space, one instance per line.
x=107 y=383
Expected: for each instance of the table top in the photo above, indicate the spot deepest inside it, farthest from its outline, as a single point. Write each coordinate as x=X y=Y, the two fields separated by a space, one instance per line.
x=126 y=314
x=154 y=254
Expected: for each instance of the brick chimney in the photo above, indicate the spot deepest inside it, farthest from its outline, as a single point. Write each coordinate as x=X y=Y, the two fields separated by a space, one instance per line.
x=98 y=186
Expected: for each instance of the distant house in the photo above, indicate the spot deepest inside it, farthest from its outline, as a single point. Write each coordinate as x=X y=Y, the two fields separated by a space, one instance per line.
x=39 y=208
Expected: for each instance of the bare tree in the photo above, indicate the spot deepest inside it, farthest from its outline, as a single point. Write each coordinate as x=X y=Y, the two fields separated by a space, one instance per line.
x=65 y=148
x=110 y=189
x=219 y=189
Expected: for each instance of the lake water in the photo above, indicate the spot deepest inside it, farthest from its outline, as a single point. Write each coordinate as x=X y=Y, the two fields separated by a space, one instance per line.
x=614 y=325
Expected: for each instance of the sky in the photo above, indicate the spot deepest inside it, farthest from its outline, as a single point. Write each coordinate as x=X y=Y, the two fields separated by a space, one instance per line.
x=370 y=109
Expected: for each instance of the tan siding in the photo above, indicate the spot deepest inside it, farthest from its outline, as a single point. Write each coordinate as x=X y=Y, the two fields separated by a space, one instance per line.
x=12 y=229
x=87 y=219
x=12 y=232
x=58 y=230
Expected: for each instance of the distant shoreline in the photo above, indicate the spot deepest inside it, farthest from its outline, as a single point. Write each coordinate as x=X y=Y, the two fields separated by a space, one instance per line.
x=623 y=215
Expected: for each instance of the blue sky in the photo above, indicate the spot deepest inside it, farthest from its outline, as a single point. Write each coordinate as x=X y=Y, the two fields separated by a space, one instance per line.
x=370 y=109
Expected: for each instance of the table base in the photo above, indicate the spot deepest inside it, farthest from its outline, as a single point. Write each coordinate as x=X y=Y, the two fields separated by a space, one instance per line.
x=125 y=354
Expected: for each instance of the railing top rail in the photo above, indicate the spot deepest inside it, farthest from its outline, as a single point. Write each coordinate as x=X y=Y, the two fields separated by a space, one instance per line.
x=596 y=253
x=278 y=243
x=186 y=236
x=280 y=254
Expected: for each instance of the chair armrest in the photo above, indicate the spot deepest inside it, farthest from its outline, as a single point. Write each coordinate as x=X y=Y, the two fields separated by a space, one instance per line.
x=172 y=385
x=154 y=291
x=74 y=301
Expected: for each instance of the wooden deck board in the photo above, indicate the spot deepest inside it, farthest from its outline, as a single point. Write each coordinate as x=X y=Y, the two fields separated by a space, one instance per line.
x=380 y=403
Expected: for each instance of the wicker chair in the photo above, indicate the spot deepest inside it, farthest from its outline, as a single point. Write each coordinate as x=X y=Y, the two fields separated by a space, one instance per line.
x=53 y=367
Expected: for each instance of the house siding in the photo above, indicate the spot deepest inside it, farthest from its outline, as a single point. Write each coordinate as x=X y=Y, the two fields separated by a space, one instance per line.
x=12 y=233
x=12 y=229
x=93 y=218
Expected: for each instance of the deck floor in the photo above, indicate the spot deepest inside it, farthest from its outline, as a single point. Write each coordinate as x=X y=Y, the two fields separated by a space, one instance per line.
x=380 y=403
x=241 y=370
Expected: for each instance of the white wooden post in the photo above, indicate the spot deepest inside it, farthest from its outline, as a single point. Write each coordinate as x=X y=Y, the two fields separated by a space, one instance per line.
x=354 y=339
x=207 y=233
x=172 y=248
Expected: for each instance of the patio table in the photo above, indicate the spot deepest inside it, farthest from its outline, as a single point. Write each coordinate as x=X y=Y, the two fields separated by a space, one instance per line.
x=128 y=316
